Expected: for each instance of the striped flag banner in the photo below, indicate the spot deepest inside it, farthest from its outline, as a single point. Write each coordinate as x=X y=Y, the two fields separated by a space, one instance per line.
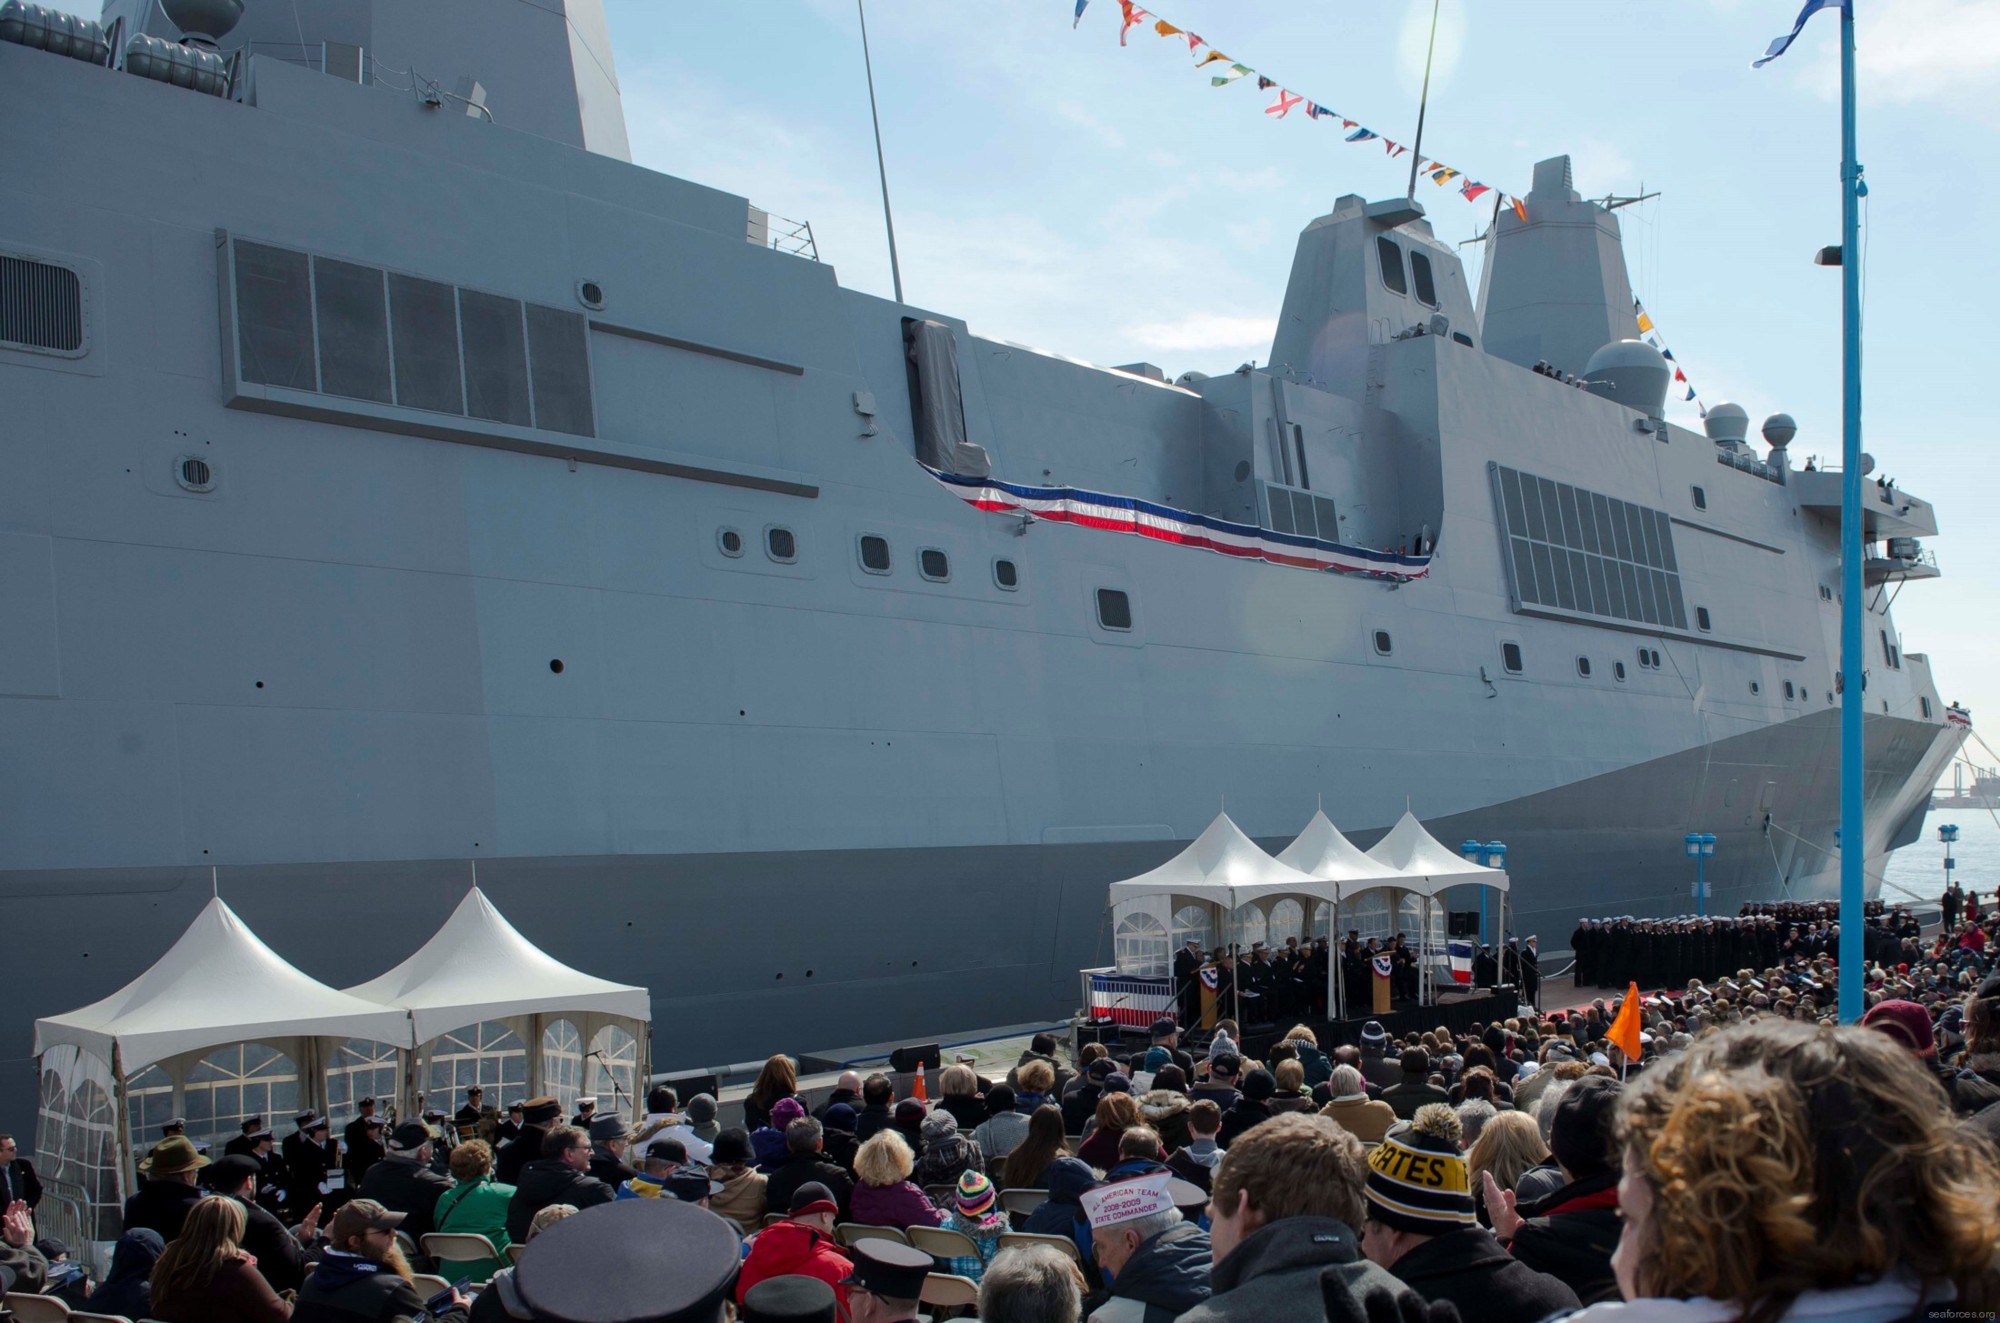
x=1162 y=523
x=1461 y=961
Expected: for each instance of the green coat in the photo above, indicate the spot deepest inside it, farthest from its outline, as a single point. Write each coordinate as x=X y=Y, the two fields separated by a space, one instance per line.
x=478 y=1209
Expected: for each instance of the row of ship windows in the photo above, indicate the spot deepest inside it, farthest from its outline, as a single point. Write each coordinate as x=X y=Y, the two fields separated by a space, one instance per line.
x=781 y=544
x=1512 y=662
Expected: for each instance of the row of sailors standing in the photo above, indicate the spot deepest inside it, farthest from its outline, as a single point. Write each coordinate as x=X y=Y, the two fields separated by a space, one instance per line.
x=1543 y=369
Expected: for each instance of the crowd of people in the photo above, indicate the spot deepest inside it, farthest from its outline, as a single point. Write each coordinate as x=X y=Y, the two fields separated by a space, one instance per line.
x=1750 y=1160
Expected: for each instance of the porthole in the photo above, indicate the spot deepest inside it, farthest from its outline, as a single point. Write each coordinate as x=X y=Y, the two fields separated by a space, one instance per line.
x=874 y=553
x=781 y=544
x=1700 y=498
x=555 y=666
x=590 y=294
x=1583 y=667
x=1510 y=658
x=934 y=565
x=1114 y=609
x=1791 y=691
x=1656 y=659
x=1384 y=645
x=1618 y=671
x=1756 y=688
x=729 y=541
x=1701 y=619
x=1006 y=574
x=1825 y=593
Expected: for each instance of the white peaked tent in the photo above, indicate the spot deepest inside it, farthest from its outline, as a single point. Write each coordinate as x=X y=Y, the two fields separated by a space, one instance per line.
x=1429 y=867
x=478 y=969
x=1220 y=871
x=1415 y=853
x=1326 y=854
x=218 y=985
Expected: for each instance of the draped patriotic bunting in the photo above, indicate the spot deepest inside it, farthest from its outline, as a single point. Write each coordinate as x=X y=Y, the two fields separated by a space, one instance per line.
x=1650 y=333
x=1130 y=16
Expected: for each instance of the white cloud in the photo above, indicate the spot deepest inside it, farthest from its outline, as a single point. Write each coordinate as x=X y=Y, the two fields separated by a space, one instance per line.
x=1941 y=51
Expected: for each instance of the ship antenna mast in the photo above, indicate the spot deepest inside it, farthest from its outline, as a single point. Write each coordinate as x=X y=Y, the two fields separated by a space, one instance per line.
x=1423 y=102
x=881 y=165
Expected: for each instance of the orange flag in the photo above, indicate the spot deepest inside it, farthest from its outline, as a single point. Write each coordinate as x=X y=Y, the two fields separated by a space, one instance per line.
x=1624 y=1029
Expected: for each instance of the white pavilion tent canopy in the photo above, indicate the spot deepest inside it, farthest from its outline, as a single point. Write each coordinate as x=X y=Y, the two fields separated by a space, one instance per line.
x=218 y=984
x=219 y=1028
x=1222 y=870
x=222 y=1028
x=513 y=1002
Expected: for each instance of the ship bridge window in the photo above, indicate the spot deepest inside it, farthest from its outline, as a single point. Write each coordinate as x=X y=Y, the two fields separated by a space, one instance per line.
x=1391 y=257
x=1583 y=667
x=1420 y=276
x=1290 y=510
x=1114 y=609
x=1575 y=550
x=349 y=331
x=1701 y=619
x=1700 y=498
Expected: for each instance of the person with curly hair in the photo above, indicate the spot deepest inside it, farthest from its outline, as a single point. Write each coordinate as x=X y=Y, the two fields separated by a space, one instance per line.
x=1779 y=1172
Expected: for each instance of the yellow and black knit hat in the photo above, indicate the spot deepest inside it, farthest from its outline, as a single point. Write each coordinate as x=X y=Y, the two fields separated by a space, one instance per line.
x=1418 y=1180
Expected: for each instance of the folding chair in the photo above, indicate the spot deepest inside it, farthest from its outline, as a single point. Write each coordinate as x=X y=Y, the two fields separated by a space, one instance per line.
x=458 y=1247
x=849 y=1232
x=943 y=1243
x=1008 y=1239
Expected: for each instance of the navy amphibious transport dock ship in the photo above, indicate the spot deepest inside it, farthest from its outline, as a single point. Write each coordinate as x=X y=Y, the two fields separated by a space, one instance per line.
x=396 y=475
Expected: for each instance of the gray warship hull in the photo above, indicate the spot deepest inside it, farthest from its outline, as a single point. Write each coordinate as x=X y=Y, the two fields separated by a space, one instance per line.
x=843 y=776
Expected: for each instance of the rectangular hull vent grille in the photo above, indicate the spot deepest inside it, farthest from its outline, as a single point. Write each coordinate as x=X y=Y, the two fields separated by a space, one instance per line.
x=41 y=307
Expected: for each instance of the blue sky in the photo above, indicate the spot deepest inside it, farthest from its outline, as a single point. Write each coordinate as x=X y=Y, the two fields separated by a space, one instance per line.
x=1054 y=189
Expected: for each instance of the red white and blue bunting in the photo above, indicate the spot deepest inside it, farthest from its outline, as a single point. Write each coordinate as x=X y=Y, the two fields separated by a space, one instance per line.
x=1130 y=515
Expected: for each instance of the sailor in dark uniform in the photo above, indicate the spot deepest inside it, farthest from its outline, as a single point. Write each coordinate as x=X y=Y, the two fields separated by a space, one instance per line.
x=1187 y=982
x=510 y=1127
x=1531 y=973
x=364 y=1145
x=272 y=1174
x=309 y=1154
x=243 y=1143
x=467 y=1117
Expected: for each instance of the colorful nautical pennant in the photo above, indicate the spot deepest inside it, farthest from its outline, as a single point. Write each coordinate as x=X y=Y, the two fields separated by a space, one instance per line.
x=1283 y=105
x=1473 y=188
x=1081 y=5
x=1165 y=28
x=1230 y=75
x=1651 y=333
x=1362 y=135
x=1264 y=84
x=1209 y=59
x=1132 y=17
x=1520 y=208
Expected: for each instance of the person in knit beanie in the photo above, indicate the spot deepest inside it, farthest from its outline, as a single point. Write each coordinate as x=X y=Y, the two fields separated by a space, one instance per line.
x=1420 y=1225
x=976 y=1214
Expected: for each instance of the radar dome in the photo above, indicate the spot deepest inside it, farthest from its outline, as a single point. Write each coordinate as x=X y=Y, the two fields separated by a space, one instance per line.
x=203 y=20
x=1631 y=373
x=1727 y=423
x=1779 y=429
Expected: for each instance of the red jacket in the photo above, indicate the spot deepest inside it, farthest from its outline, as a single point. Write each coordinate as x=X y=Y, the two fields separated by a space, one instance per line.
x=794 y=1247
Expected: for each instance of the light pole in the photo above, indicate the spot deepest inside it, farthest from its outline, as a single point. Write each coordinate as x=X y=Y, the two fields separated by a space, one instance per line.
x=1700 y=845
x=1493 y=854
x=1948 y=833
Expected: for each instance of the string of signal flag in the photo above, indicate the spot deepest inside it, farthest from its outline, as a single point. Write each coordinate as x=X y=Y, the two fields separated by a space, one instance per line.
x=1285 y=101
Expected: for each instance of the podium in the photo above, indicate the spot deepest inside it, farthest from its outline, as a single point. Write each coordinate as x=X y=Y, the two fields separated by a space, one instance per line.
x=1380 y=968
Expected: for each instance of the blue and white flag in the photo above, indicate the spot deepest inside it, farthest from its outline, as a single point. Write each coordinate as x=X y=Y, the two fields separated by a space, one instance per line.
x=1082 y=5
x=1782 y=44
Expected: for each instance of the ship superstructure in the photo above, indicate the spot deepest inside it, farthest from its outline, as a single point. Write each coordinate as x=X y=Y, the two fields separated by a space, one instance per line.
x=399 y=477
